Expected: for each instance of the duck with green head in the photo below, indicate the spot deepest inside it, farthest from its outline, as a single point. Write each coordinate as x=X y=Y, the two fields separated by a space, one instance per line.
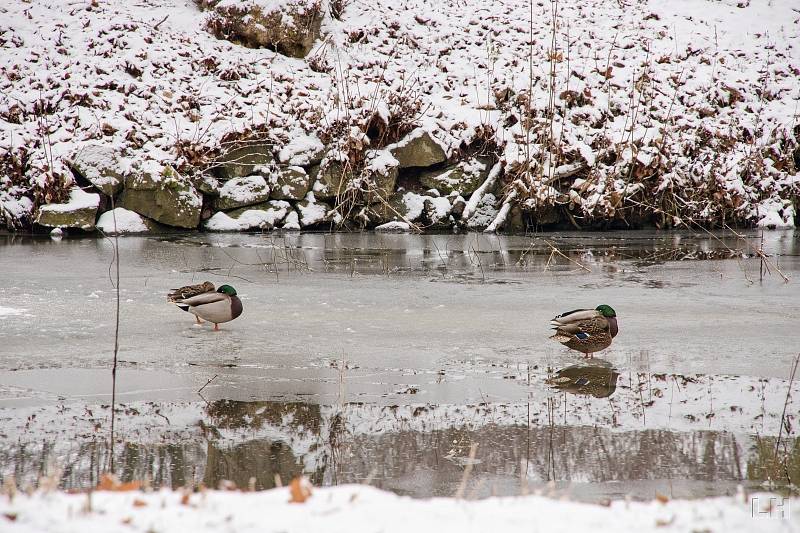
x=586 y=330
x=222 y=305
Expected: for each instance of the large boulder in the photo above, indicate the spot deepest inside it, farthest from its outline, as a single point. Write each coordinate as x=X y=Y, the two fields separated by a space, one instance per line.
x=302 y=150
x=382 y=170
x=332 y=179
x=100 y=166
x=398 y=206
x=289 y=27
x=163 y=195
x=291 y=183
x=241 y=192
x=126 y=222
x=418 y=149
x=311 y=211
x=244 y=161
x=263 y=216
x=79 y=211
x=463 y=178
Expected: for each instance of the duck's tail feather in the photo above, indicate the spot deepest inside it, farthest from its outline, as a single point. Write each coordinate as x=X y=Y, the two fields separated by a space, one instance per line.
x=562 y=337
x=185 y=307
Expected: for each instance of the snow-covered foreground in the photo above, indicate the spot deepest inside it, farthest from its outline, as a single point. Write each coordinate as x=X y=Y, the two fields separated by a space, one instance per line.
x=357 y=508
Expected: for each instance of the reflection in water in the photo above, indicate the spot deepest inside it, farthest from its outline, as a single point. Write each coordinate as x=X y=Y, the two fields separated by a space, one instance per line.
x=598 y=379
x=256 y=443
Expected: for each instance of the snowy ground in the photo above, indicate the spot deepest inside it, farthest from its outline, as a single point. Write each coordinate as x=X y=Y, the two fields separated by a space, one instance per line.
x=357 y=508
x=701 y=95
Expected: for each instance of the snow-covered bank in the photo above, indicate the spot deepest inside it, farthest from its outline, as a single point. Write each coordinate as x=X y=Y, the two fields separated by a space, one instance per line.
x=642 y=112
x=357 y=508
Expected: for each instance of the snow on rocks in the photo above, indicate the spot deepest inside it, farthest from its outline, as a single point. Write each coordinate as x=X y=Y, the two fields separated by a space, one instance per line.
x=244 y=191
x=357 y=508
x=100 y=165
x=418 y=149
x=126 y=222
x=311 y=212
x=264 y=216
x=394 y=227
x=79 y=211
x=160 y=193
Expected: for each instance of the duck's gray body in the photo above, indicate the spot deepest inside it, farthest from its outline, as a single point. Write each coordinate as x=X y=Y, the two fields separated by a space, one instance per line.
x=216 y=307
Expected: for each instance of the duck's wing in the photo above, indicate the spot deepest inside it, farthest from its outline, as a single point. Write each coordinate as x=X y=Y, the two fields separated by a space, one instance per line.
x=582 y=329
x=188 y=291
x=203 y=299
x=576 y=315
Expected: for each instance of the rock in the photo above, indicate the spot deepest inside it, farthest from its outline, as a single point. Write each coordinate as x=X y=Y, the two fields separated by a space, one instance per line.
x=206 y=184
x=292 y=221
x=291 y=183
x=241 y=192
x=127 y=222
x=391 y=209
x=332 y=180
x=417 y=149
x=382 y=169
x=264 y=216
x=79 y=211
x=463 y=178
x=290 y=27
x=311 y=211
x=436 y=211
x=302 y=150
x=163 y=195
x=459 y=204
x=100 y=166
x=394 y=227
x=244 y=161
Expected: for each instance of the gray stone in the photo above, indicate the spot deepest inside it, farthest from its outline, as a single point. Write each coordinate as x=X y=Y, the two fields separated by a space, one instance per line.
x=291 y=183
x=206 y=184
x=311 y=211
x=79 y=211
x=241 y=192
x=418 y=149
x=383 y=170
x=244 y=161
x=332 y=180
x=164 y=196
x=394 y=208
x=100 y=166
x=463 y=178
x=263 y=216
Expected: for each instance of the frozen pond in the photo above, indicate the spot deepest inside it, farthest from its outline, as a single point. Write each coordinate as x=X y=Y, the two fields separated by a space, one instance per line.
x=384 y=358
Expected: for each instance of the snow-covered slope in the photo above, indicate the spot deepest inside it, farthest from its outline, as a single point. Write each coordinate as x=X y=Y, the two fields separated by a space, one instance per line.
x=666 y=111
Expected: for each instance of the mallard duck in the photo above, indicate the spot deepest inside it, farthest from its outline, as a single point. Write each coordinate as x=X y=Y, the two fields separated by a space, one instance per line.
x=586 y=330
x=182 y=293
x=217 y=306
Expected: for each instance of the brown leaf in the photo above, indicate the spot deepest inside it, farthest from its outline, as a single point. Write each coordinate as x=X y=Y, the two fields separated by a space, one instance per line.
x=10 y=516
x=139 y=503
x=110 y=482
x=185 y=499
x=300 y=489
x=660 y=497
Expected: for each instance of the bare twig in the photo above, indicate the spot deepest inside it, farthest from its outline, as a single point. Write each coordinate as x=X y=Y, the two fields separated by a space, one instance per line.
x=207 y=383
